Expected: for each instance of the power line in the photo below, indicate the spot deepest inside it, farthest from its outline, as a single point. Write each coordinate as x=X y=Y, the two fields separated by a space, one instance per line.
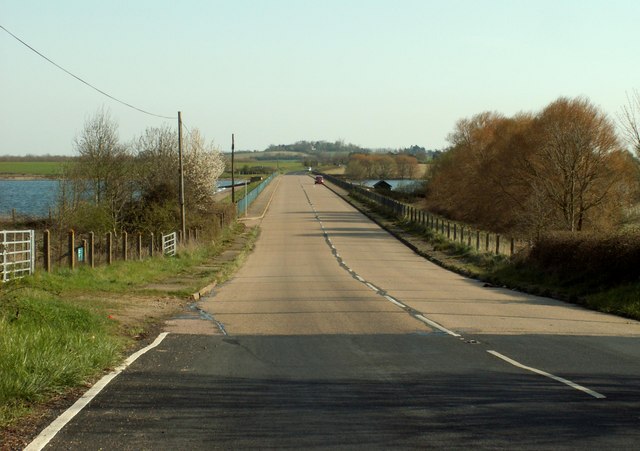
x=83 y=81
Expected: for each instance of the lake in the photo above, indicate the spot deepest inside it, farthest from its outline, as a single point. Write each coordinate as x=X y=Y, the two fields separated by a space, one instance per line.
x=28 y=197
x=35 y=197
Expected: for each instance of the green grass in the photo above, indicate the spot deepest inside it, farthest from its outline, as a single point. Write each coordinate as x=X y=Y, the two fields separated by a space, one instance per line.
x=283 y=166
x=48 y=345
x=35 y=168
x=623 y=300
x=56 y=331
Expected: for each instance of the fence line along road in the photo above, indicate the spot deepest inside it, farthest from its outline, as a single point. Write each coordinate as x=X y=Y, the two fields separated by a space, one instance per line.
x=19 y=249
x=457 y=232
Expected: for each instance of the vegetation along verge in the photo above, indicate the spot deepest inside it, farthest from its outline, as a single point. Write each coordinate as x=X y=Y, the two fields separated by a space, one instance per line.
x=61 y=331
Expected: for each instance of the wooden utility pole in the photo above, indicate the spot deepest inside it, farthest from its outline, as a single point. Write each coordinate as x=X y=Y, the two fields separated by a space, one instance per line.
x=233 y=177
x=183 y=224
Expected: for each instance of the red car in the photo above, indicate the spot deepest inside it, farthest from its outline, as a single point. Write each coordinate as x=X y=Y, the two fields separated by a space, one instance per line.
x=319 y=180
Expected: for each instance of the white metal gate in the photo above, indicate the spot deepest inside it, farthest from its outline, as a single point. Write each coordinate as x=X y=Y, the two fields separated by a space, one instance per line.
x=17 y=253
x=169 y=244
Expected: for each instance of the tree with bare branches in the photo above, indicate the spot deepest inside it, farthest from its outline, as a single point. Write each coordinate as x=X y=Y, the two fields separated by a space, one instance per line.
x=573 y=145
x=629 y=120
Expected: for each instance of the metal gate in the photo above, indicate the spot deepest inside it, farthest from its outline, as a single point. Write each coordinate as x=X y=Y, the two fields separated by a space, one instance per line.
x=169 y=244
x=17 y=253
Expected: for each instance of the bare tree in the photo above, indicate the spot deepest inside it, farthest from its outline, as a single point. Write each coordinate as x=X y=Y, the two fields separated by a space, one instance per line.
x=561 y=169
x=157 y=164
x=100 y=181
x=574 y=142
x=629 y=120
x=406 y=166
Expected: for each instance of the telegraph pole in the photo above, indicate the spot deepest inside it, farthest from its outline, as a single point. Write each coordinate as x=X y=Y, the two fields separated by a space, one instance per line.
x=233 y=177
x=183 y=226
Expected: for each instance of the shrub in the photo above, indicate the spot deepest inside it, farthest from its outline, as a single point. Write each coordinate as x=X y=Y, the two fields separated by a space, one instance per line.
x=586 y=259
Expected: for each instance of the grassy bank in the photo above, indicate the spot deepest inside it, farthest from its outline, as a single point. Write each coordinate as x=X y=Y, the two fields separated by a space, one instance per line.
x=62 y=330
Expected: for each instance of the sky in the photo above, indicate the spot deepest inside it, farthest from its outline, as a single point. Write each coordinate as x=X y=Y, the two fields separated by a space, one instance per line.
x=375 y=73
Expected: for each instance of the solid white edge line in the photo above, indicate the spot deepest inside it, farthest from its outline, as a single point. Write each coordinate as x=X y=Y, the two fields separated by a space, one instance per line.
x=595 y=394
x=56 y=426
x=437 y=326
x=373 y=287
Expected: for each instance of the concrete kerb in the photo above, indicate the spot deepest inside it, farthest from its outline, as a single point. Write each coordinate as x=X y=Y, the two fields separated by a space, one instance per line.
x=204 y=291
x=273 y=190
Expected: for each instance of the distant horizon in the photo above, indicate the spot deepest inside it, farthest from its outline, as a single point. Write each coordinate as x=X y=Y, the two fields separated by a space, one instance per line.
x=52 y=155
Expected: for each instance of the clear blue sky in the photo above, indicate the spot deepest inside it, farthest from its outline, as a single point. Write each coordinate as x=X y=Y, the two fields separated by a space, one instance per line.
x=379 y=74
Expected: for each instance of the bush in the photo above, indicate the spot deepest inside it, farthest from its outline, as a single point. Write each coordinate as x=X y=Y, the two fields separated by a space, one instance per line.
x=588 y=260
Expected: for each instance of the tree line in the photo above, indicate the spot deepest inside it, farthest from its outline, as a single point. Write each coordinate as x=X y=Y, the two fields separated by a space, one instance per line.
x=562 y=168
x=382 y=166
x=113 y=186
x=328 y=150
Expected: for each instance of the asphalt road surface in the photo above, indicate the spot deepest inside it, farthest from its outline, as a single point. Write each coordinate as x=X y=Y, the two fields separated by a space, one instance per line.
x=334 y=335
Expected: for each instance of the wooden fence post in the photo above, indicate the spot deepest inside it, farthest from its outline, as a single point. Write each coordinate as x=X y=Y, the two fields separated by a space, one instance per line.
x=139 y=246
x=151 y=245
x=109 y=248
x=72 y=249
x=455 y=232
x=84 y=251
x=125 y=244
x=92 y=248
x=47 y=250
x=478 y=240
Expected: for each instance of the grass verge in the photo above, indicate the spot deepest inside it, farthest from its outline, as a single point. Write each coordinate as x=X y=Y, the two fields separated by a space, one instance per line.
x=63 y=330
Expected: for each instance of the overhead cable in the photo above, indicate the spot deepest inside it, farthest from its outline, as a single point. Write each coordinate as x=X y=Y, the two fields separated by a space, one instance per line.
x=83 y=81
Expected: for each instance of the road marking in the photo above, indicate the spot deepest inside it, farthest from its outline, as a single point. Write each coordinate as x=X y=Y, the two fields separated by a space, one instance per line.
x=56 y=426
x=595 y=394
x=396 y=302
x=382 y=293
x=436 y=325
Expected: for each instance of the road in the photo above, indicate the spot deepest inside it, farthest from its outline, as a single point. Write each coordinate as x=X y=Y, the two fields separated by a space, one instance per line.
x=334 y=335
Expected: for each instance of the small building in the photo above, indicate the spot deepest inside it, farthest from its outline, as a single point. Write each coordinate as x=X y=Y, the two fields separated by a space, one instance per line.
x=382 y=186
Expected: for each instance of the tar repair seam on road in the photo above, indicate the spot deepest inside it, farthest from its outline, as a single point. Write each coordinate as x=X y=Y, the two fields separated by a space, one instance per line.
x=422 y=318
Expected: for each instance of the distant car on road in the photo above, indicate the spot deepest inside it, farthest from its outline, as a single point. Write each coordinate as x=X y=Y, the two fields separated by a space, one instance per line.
x=319 y=180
